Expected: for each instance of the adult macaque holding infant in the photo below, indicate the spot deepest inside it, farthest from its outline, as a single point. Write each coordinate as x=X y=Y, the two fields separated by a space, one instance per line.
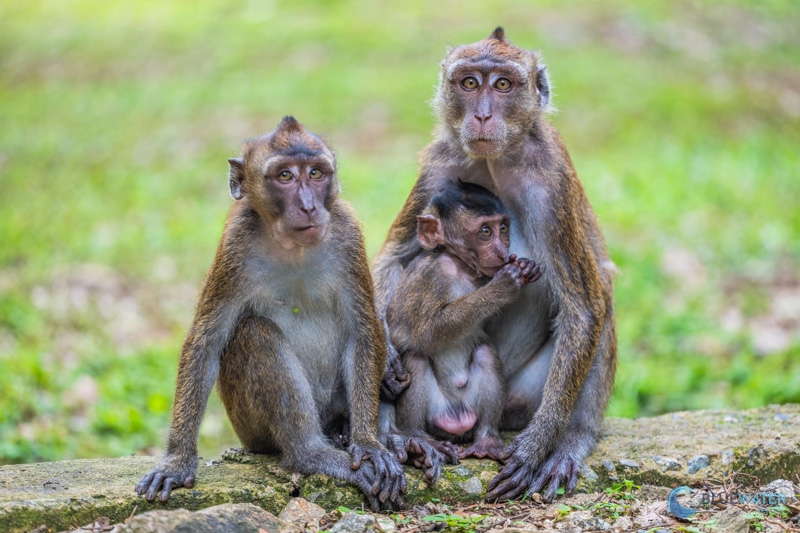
x=557 y=342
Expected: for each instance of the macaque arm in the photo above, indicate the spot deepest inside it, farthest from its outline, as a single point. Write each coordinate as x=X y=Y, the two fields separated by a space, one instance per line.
x=459 y=317
x=366 y=359
x=368 y=354
x=573 y=280
x=198 y=364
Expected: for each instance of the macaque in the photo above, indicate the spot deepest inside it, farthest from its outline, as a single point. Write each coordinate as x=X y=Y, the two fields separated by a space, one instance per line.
x=437 y=316
x=557 y=342
x=286 y=326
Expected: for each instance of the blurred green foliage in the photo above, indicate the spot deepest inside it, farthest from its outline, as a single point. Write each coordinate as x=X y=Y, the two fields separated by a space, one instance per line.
x=683 y=120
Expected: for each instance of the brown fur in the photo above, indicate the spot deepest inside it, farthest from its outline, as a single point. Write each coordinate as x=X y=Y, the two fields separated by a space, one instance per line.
x=287 y=324
x=557 y=343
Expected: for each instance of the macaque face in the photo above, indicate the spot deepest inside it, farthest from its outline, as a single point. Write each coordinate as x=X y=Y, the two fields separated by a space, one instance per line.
x=485 y=242
x=288 y=176
x=489 y=92
x=297 y=189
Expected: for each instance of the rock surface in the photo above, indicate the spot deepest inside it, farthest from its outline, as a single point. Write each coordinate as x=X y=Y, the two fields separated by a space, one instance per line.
x=763 y=442
x=229 y=517
x=302 y=513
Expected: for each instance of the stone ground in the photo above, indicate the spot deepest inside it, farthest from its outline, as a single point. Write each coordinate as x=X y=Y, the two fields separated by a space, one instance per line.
x=623 y=487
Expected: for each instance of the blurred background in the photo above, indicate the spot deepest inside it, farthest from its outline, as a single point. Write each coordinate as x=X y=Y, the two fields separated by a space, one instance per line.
x=116 y=119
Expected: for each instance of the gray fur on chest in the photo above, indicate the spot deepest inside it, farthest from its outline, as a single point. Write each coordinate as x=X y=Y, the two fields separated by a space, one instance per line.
x=311 y=310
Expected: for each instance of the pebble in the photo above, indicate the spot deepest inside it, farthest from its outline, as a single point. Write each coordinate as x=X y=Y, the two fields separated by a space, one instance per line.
x=629 y=463
x=697 y=462
x=667 y=463
x=782 y=486
x=463 y=471
x=587 y=473
x=608 y=465
x=354 y=523
x=728 y=457
x=731 y=521
x=471 y=486
x=302 y=512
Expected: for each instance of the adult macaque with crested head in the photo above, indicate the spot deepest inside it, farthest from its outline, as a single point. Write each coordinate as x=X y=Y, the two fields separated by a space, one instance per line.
x=437 y=315
x=286 y=325
x=557 y=342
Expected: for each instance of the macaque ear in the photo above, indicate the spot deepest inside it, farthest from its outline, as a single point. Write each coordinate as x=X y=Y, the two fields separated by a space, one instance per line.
x=542 y=85
x=236 y=177
x=429 y=231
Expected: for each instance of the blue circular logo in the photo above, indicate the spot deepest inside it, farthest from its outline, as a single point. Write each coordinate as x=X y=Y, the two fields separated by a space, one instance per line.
x=677 y=509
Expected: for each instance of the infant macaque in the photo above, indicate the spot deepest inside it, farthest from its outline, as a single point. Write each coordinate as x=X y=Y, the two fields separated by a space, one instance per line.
x=437 y=315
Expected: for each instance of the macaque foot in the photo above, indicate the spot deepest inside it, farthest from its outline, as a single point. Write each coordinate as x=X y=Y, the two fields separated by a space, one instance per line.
x=393 y=384
x=395 y=378
x=519 y=477
x=427 y=454
x=388 y=482
x=490 y=446
x=165 y=477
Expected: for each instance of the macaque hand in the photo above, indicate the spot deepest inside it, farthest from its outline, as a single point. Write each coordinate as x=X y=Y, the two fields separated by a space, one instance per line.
x=170 y=473
x=530 y=270
x=509 y=277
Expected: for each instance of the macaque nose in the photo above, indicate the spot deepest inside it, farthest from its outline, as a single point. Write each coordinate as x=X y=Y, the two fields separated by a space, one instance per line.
x=308 y=208
x=483 y=118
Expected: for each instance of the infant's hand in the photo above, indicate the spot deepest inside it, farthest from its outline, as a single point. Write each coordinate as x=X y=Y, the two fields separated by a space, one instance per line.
x=509 y=277
x=530 y=270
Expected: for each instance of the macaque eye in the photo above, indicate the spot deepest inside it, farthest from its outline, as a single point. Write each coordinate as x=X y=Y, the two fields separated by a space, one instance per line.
x=503 y=228
x=315 y=174
x=503 y=84
x=285 y=176
x=486 y=231
x=469 y=83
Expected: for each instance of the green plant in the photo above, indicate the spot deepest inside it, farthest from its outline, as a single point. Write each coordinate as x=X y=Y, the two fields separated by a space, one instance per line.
x=401 y=521
x=622 y=490
x=456 y=522
x=344 y=510
x=756 y=519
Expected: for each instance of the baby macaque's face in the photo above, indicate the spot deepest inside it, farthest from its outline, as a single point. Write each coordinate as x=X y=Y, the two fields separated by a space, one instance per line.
x=483 y=241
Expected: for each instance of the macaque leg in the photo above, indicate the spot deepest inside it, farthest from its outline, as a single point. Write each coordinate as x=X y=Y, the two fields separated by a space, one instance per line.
x=525 y=388
x=561 y=467
x=486 y=395
x=423 y=451
x=280 y=414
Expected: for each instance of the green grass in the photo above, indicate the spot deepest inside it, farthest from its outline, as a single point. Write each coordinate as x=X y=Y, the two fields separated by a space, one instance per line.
x=683 y=120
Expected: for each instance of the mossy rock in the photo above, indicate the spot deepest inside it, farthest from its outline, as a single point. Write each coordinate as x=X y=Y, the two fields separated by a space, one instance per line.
x=763 y=442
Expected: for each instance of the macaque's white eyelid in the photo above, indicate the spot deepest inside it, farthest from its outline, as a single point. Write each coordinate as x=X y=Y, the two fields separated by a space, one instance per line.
x=269 y=162
x=331 y=165
x=277 y=162
x=522 y=72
